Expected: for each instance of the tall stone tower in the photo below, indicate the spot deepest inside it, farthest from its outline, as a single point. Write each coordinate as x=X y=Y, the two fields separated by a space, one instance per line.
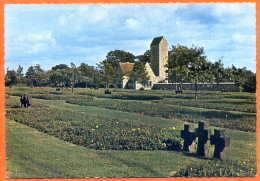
x=159 y=57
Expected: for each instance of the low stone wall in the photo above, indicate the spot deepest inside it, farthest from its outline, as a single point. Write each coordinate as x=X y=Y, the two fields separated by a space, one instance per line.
x=231 y=87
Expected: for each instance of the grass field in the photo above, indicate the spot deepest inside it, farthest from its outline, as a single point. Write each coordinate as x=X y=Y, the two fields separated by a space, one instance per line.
x=124 y=134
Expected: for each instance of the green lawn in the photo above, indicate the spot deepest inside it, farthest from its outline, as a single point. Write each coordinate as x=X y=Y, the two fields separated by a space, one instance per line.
x=39 y=155
x=34 y=154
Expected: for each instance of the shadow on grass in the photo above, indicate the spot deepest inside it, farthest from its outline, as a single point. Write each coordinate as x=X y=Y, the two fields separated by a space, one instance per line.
x=195 y=155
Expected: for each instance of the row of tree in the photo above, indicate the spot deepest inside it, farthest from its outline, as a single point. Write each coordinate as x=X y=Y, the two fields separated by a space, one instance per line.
x=106 y=73
x=191 y=65
x=184 y=65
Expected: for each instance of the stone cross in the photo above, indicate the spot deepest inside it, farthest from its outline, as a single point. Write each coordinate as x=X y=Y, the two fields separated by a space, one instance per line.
x=203 y=134
x=220 y=141
x=25 y=101
x=189 y=136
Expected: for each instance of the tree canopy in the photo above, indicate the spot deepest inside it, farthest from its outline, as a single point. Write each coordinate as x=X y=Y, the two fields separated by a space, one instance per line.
x=184 y=65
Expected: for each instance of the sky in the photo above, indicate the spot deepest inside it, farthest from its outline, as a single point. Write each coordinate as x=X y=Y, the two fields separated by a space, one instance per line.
x=51 y=34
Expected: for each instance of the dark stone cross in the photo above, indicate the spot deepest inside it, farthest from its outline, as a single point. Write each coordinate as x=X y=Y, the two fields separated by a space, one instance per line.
x=203 y=134
x=25 y=101
x=220 y=141
x=189 y=136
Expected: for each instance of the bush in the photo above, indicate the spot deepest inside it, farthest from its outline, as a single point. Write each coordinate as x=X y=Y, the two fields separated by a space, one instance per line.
x=240 y=121
x=218 y=168
x=94 y=131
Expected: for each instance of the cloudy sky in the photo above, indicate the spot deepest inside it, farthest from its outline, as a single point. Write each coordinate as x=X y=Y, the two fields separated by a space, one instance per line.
x=54 y=34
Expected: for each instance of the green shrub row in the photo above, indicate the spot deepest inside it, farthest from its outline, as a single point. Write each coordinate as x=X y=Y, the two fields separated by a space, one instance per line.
x=94 y=131
x=238 y=105
x=216 y=168
x=179 y=106
x=139 y=96
x=240 y=121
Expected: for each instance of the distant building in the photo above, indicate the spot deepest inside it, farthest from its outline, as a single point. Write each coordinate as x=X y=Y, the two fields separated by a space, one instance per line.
x=156 y=69
x=157 y=72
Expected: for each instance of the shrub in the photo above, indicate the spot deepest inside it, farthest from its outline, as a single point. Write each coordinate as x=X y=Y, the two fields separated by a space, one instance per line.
x=94 y=131
x=218 y=168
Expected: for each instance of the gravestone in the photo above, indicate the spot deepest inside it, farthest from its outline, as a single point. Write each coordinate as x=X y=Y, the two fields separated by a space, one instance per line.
x=25 y=101
x=107 y=91
x=188 y=134
x=220 y=141
x=179 y=91
x=203 y=134
x=28 y=102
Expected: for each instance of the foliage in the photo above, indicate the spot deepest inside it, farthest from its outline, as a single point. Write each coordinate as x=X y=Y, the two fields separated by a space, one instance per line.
x=11 y=78
x=36 y=76
x=91 y=77
x=224 y=104
x=184 y=65
x=59 y=67
x=145 y=57
x=20 y=71
x=72 y=161
x=116 y=56
x=216 y=108
x=216 y=168
x=139 y=73
x=104 y=129
x=188 y=64
x=240 y=121
x=110 y=72
x=250 y=84
x=93 y=131
x=177 y=64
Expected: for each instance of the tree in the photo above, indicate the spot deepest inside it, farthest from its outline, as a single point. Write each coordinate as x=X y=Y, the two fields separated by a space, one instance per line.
x=20 y=74
x=116 y=56
x=238 y=76
x=145 y=57
x=109 y=66
x=11 y=78
x=60 y=67
x=243 y=78
x=57 y=78
x=19 y=71
x=139 y=74
x=189 y=64
x=37 y=68
x=41 y=79
x=74 y=75
x=177 y=64
x=90 y=76
x=198 y=66
x=110 y=72
x=30 y=75
x=250 y=83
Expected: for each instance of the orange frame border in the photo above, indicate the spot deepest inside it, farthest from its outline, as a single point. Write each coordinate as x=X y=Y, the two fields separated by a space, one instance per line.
x=2 y=87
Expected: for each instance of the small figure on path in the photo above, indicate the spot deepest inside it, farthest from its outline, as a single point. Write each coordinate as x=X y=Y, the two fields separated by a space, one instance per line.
x=189 y=136
x=220 y=141
x=203 y=134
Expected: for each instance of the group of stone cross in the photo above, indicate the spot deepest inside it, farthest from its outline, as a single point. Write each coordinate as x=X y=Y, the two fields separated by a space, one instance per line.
x=26 y=101
x=203 y=133
x=107 y=91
